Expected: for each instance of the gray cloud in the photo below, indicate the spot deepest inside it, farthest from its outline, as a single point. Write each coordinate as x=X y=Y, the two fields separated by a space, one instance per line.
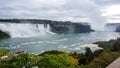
x=106 y=2
x=73 y=10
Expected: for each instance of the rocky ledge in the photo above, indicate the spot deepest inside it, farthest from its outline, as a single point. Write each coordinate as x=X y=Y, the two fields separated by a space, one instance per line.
x=3 y=35
x=69 y=27
x=117 y=29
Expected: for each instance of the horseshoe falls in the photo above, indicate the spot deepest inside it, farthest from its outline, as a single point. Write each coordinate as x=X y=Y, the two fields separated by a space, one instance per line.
x=37 y=38
x=25 y=30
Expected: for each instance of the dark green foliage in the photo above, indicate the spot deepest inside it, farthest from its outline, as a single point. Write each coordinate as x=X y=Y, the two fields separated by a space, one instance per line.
x=88 y=51
x=3 y=35
x=113 y=45
x=103 y=60
x=52 y=52
x=107 y=45
x=82 y=60
x=89 y=55
x=116 y=46
x=97 y=53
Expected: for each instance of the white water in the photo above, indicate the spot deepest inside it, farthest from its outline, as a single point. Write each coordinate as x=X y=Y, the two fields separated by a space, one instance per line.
x=24 y=29
x=36 y=38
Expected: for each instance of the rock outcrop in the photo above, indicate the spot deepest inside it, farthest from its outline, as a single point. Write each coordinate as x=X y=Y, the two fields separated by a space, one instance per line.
x=69 y=27
x=117 y=29
x=113 y=27
x=4 y=35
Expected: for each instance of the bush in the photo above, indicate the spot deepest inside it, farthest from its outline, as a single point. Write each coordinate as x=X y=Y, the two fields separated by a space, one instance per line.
x=116 y=47
x=58 y=61
x=3 y=52
x=23 y=60
x=103 y=60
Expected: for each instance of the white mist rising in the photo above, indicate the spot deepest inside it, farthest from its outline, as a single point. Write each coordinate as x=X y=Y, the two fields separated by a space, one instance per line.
x=87 y=9
x=97 y=21
x=98 y=25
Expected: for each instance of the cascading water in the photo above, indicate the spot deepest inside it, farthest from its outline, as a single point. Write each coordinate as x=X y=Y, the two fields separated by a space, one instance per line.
x=24 y=29
x=44 y=41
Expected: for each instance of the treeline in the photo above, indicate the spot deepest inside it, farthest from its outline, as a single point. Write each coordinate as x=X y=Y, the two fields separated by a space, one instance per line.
x=41 y=21
x=59 y=59
x=111 y=45
x=26 y=21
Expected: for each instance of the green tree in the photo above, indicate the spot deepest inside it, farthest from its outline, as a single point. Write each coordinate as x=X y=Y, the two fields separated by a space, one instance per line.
x=116 y=46
x=58 y=61
x=23 y=60
x=89 y=55
x=3 y=52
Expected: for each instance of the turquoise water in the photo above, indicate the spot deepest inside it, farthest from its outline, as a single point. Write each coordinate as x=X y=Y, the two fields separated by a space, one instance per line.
x=40 y=43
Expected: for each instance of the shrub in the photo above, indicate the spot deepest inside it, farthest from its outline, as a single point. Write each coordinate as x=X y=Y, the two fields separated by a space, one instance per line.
x=116 y=47
x=58 y=61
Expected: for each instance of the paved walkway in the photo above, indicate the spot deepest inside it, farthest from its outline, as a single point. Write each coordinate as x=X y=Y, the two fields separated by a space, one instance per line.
x=115 y=64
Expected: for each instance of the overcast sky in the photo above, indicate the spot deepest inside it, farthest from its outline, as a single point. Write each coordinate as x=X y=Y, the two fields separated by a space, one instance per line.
x=68 y=10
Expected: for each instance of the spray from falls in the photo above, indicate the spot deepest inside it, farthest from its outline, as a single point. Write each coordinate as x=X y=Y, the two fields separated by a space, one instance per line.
x=24 y=30
x=87 y=9
x=97 y=20
x=98 y=23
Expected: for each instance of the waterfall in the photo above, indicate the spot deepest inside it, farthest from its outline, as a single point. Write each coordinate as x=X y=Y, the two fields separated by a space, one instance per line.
x=25 y=29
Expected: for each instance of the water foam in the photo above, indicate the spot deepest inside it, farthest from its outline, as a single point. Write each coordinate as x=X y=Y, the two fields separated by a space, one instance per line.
x=25 y=29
